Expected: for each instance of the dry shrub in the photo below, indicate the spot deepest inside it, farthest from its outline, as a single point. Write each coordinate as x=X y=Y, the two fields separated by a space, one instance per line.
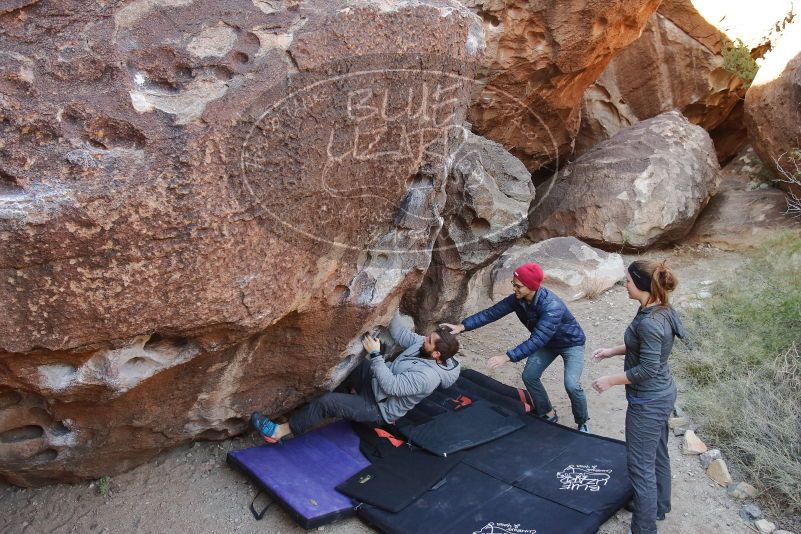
x=593 y=287
x=789 y=167
x=744 y=375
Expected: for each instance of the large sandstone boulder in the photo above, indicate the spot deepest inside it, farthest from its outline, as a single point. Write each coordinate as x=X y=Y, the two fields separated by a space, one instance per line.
x=489 y=192
x=573 y=270
x=714 y=23
x=746 y=211
x=541 y=56
x=203 y=204
x=677 y=64
x=742 y=219
x=643 y=187
x=664 y=69
x=773 y=105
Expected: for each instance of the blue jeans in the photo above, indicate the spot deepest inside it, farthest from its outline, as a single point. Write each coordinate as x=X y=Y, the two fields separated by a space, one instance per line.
x=574 y=364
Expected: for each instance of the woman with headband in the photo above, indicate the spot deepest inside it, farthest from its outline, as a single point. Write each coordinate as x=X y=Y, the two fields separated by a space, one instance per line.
x=650 y=390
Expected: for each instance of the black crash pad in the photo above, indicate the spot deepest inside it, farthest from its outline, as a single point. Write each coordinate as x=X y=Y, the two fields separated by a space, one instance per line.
x=470 y=502
x=475 y=410
x=397 y=477
x=543 y=477
x=453 y=431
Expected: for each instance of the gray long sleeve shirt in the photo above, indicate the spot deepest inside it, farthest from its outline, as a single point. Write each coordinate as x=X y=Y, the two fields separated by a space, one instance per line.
x=401 y=384
x=649 y=340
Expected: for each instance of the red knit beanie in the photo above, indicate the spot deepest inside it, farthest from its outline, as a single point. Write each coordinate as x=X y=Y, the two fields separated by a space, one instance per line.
x=531 y=275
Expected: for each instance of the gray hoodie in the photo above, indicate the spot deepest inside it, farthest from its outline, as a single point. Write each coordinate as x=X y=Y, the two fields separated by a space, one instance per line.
x=649 y=340
x=399 y=385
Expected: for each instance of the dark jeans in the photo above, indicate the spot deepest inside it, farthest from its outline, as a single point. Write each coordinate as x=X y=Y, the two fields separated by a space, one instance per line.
x=648 y=460
x=574 y=364
x=360 y=407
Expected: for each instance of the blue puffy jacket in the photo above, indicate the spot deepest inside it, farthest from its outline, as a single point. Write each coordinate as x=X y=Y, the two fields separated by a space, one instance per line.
x=547 y=318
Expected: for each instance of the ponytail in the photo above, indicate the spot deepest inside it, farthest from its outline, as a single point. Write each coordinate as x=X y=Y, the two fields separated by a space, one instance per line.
x=663 y=281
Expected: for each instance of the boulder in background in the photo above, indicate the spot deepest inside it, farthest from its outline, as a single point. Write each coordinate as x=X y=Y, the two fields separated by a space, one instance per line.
x=773 y=106
x=643 y=187
x=540 y=58
x=678 y=63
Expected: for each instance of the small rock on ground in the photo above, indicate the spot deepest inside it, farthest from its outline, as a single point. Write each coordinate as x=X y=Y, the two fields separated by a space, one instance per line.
x=708 y=457
x=743 y=490
x=675 y=422
x=750 y=512
x=719 y=472
x=692 y=444
x=764 y=526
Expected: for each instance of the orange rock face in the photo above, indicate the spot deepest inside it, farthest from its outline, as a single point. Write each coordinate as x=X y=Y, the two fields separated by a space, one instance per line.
x=664 y=69
x=540 y=59
x=772 y=107
x=203 y=205
x=677 y=64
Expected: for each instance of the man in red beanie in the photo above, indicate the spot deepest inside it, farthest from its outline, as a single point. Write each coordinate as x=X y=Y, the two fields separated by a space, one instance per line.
x=554 y=332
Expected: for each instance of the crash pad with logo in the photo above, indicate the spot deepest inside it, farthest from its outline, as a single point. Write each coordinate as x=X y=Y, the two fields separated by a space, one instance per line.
x=541 y=478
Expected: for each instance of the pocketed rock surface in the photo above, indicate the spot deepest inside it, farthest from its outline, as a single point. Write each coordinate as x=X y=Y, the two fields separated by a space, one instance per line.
x=540 y=58
x=190 y=489
x=198 y=212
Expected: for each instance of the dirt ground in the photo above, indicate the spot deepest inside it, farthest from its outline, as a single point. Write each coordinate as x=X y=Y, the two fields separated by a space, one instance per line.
x=191 y=489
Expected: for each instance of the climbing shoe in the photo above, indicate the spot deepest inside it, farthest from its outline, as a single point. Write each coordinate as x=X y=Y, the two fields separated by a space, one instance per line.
x=264 y=426
x=551 y=418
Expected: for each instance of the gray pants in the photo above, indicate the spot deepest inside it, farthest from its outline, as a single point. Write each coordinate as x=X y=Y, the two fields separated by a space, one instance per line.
x=648 y=460
x=360 y=407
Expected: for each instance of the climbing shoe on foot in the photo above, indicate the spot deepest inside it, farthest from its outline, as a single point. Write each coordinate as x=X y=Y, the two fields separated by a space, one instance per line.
x=264 y=426
x=551 y=418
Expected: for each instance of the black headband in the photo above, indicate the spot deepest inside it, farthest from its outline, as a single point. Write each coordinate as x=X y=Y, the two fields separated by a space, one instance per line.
x=641 y=279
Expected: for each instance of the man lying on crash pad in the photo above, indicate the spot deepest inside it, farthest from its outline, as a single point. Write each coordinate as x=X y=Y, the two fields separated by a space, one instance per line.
x=383 y=391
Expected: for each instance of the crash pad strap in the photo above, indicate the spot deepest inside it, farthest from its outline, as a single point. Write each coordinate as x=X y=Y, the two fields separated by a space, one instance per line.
x=259 y=515
x=381 y=433
x=522 y=394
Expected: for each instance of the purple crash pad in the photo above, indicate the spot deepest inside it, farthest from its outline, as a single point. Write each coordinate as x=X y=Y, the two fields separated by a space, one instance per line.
x=301 y=473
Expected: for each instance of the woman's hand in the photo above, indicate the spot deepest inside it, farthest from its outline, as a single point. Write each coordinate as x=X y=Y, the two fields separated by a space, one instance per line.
x=497 y=361
x=602 y=383
x=601 y=354
x=454 y=328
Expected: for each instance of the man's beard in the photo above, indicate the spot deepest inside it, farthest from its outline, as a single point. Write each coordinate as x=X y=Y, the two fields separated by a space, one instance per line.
x=424 y=354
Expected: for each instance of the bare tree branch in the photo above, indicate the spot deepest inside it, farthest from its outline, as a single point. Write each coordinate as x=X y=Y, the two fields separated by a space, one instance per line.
x=789 y=166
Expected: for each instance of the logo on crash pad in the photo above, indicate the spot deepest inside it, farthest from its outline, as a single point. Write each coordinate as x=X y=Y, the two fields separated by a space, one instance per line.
x=583 y=477
x=504 y=528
